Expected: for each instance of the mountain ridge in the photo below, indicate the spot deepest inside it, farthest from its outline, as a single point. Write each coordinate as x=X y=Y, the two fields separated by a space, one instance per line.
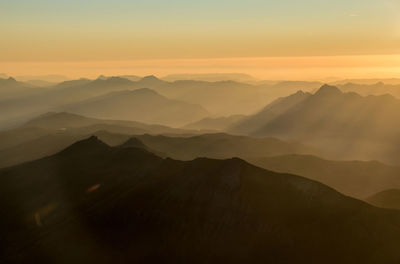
x=144 y=208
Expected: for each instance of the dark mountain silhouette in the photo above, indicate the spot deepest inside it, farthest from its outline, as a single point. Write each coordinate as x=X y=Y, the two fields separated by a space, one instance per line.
x=215 y=124
x=386 y=199
x=56 y=122
x=345 y=125
x=49 y=135
x=355 y=178
x=143 y=105
x=95 y=203
x=51 y=132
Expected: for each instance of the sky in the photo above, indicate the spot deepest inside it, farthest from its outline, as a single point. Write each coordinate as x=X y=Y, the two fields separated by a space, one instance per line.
x=89 y=37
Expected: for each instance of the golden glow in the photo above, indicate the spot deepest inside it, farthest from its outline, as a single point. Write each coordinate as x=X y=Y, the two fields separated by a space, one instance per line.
x=288 y=68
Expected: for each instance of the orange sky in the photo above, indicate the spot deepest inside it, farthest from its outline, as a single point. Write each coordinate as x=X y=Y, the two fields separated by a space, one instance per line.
x=286 y=39
x=316 y=67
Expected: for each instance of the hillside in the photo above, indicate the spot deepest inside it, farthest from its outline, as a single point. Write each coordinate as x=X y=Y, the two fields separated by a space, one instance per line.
x=103 y=203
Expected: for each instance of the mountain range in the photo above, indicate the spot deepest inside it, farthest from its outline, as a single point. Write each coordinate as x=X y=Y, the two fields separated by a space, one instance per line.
x=142 y=105
x=95 y=203
x=11 y=88
x=343 y=125
x=238 y=98
x=49 y=133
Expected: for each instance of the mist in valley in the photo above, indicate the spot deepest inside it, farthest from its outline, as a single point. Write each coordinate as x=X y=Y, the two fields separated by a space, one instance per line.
x=200 y=132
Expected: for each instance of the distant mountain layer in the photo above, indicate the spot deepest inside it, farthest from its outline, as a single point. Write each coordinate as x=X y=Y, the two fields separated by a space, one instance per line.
x=64 y=121
x=386 y=199
x=354 y=178
x=345 y=125
x=212 y=77
x=49 y=133
x=93 y=203
x=378 y=88
x=221 y=146
x=216 y=124
x=221 y=98
x=10 y=88
x=52 y=132
x=142 y=105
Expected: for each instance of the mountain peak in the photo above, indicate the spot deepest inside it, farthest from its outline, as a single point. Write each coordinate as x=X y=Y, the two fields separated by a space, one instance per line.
x=300 y=92
x=150 y=77
x=8 y=80
x=133 y=143
x=328 y=90
x=145 y=91
x=87 y=146
x=102 y=77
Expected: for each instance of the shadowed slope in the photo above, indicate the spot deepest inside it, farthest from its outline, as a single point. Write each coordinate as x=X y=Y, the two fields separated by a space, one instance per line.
x=343 y=125
x=101 y=203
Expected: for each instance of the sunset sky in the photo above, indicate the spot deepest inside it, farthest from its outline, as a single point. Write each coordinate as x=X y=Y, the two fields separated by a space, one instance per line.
x=307 y=38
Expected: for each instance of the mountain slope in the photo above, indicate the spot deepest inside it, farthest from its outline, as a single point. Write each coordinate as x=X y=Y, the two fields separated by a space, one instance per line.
x=101 y=204
x=355 y=178
x=252 y=123
x=386 y=199
x=345 y=125
x=143 y=105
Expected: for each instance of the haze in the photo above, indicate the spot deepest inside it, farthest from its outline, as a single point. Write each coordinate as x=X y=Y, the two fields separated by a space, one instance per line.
x=224 y=131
